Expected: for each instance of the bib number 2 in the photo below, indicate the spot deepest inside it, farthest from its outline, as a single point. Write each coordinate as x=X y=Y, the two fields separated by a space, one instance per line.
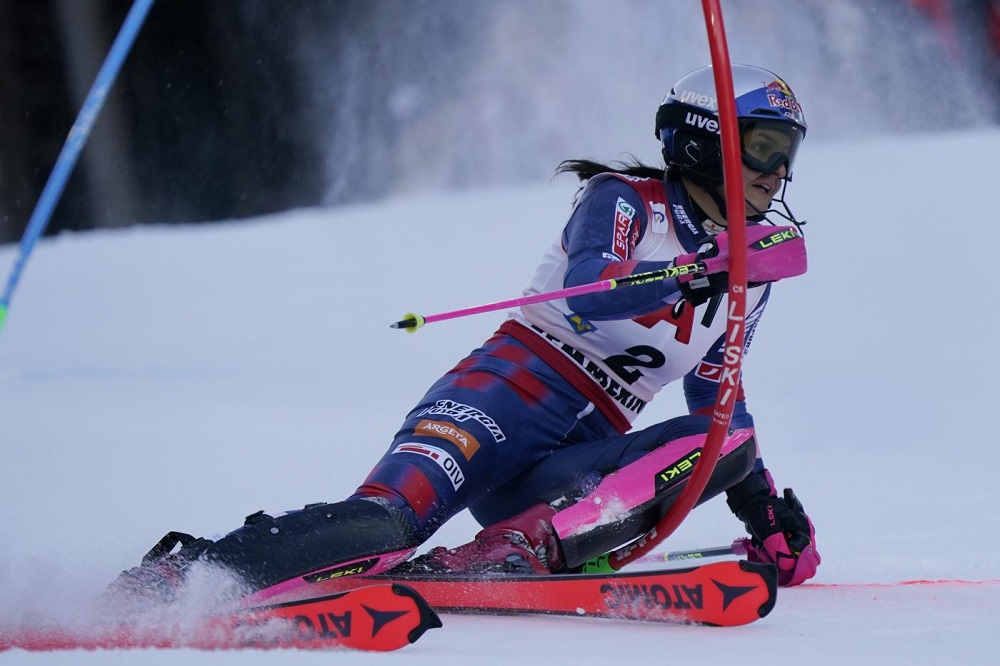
x=627 y=365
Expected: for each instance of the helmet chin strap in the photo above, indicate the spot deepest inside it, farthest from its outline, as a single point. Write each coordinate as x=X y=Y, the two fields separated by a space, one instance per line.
x=710 y=187
x=786 y=215
x=759 y=215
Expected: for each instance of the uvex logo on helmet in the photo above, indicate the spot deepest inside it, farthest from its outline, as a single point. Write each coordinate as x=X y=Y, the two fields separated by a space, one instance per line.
x=702 y=122
x=698 y=99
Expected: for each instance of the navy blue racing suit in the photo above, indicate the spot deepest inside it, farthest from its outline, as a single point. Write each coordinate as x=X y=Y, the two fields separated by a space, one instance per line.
x=544 y=408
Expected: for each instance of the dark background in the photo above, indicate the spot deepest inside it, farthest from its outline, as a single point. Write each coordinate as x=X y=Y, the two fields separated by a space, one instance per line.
x=212 y=116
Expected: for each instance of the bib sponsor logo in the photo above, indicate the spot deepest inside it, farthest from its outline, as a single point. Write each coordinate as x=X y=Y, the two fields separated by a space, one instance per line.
x=440 y=456
x=659 y=223
x=709 y=371
x=461 y=413
x=463 y=440
x=624 y=234
x=621 y=395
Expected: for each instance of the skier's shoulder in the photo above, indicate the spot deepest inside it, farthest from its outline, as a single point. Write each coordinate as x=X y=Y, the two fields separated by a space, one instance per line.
x=643 y=187
x=634 y=194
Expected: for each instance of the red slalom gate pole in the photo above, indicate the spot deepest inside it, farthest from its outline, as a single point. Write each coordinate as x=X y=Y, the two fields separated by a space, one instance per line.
x=725 y=402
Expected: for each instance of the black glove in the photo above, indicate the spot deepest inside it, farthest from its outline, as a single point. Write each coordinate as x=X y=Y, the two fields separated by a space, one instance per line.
x=701 y=289
x=781 y=531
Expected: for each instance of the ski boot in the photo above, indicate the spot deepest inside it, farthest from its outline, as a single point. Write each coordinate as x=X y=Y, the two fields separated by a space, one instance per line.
x=160 y=576
x=523 y=544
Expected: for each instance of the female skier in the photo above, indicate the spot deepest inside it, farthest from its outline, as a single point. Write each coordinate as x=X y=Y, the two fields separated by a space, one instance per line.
x=537 y=420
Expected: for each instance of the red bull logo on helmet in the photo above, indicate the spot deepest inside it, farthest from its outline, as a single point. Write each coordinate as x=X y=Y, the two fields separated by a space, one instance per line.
x=780 y=96
x=779 y=86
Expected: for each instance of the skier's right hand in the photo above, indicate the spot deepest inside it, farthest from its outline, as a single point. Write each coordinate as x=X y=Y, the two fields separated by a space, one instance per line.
x=782 y=534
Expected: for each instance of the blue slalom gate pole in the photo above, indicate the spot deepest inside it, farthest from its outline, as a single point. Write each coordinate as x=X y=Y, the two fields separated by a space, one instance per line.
x=71 y=149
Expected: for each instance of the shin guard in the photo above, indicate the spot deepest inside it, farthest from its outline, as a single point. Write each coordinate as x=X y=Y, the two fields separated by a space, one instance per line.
x=630 y=501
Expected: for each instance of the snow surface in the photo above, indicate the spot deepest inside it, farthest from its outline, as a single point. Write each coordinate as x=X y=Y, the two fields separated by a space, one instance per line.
x=181 y=378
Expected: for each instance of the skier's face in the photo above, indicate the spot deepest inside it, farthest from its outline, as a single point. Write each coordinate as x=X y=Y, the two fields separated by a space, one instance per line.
x=759 y=189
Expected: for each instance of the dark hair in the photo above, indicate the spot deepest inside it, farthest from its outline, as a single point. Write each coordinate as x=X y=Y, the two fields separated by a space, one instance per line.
x=587 y=169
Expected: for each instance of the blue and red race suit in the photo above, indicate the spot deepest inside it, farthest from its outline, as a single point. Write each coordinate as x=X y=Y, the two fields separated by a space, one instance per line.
x=543 y=409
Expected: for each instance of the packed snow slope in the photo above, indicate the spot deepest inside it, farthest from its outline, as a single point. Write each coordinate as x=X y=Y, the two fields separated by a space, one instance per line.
x=181 y=378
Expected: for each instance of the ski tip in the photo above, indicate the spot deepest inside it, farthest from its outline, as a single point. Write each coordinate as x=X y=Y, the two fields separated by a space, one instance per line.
x=769 y=574
x=377 y=618
x=428 y=618
x=388 y=617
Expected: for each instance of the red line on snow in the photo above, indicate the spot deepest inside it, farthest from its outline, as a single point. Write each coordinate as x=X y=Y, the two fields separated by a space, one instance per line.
x=902 y=583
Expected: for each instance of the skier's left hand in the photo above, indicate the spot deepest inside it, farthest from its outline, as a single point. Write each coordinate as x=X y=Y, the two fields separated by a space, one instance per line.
x=781 y=531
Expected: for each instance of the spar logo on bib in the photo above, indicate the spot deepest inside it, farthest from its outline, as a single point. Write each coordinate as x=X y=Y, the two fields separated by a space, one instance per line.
x=626 y=233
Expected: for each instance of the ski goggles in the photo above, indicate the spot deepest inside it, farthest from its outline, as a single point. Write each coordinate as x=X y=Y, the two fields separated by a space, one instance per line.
x=767 y=144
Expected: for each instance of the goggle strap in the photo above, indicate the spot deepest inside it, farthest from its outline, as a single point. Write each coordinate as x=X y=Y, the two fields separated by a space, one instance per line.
x=686 y=117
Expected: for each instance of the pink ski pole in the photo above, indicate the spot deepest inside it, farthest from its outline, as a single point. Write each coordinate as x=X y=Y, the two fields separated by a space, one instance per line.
x=411 y=322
